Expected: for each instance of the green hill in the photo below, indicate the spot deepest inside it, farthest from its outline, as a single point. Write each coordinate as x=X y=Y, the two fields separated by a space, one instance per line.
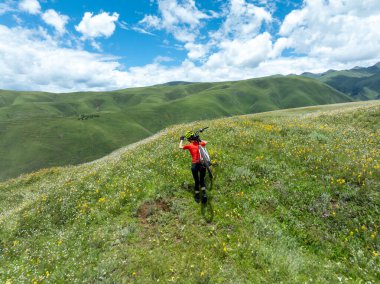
x=39 y=130
x=295 y=199
x=361 y=83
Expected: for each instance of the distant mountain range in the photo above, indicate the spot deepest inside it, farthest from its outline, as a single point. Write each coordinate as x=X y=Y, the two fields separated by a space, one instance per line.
x=360 y=83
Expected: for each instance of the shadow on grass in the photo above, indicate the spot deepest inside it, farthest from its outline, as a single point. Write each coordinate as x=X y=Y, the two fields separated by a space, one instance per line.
x=206 y=208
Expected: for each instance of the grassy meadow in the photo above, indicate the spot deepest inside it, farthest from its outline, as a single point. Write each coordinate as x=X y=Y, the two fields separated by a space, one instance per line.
x=295 y=199
x=41 y=130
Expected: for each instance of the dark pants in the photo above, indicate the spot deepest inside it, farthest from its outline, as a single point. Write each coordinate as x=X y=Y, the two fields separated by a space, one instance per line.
x=198 y=179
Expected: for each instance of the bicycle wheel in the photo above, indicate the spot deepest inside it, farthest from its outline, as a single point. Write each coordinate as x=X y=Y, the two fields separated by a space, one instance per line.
x=209 y=171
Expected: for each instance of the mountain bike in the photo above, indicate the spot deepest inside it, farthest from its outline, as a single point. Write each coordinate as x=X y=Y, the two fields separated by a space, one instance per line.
x=204 y=156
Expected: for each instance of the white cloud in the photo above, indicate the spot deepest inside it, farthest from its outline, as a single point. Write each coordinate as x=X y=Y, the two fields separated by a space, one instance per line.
x=340 y=30
x=196 y=51
x=150 y=21
x=243 y=20
x=6 y=7
x=242 y=53
x=32 y=60
x=181 y=19
x=30 y=6
x=160 y=59
x=101 y=25
x=56 y=20
x=174 y=13
x=238 y=42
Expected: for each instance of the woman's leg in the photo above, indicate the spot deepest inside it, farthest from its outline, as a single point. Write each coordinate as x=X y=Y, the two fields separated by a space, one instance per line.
x=194 y=171
x=202 y=171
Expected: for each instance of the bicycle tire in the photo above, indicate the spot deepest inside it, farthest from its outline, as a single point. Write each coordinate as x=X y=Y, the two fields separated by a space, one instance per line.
x=209 y=171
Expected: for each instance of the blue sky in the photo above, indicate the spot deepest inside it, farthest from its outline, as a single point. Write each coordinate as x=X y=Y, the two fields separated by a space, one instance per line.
x=63 y=46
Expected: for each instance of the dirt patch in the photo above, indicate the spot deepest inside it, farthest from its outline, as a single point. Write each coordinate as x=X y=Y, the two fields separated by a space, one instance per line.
x=150 y=208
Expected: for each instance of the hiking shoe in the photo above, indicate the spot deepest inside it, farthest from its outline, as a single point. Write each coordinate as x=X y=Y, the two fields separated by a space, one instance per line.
x=197 y=197
x=204 y=197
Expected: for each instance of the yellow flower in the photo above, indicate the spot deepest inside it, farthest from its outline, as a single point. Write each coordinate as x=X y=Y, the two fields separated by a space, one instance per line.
x=375 y=253
x=47 y=274
x=202 y=274
x=364 y=228
x=341 y=181
x=102 y=199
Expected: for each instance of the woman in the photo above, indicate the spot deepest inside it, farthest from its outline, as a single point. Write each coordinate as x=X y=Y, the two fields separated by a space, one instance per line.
x=197 y=169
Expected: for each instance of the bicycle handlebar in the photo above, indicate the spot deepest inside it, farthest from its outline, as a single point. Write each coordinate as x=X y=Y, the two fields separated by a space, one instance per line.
x=202 y=129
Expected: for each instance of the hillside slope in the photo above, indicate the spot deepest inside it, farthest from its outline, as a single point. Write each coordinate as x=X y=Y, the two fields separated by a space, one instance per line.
x=361 y=83
x=39 y=130
x=295 y=199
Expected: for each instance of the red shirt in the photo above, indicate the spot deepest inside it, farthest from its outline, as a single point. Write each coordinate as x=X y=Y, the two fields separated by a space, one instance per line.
x=194 y=151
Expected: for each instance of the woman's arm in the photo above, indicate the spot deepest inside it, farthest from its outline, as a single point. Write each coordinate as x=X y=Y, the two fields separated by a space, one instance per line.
x=180 y=142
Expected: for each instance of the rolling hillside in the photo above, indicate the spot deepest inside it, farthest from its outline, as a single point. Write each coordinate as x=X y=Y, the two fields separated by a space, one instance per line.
x=39 y=130
x=295 y=199
x=360 y=83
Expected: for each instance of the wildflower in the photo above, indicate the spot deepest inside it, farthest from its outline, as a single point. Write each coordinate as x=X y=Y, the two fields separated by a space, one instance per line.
x=47 y=274
x=341 y=181
x=373 y=236
x=202 y=274
x=224 y=247
x=375 y=253
x=364 y=228
x=102 y=199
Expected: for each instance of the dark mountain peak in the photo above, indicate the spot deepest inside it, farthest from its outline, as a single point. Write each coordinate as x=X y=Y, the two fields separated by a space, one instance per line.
x=310 y=75
x=176 y=83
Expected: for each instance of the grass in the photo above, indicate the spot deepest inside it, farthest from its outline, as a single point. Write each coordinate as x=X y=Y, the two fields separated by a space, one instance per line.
x=39 y=130
x=295 y=199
